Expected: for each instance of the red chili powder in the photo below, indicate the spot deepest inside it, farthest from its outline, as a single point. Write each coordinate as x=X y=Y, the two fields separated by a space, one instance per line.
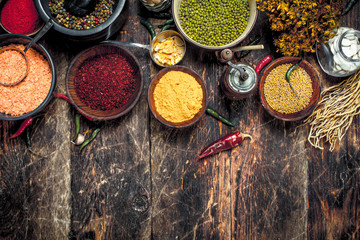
x=20 y=16
x=105 y=82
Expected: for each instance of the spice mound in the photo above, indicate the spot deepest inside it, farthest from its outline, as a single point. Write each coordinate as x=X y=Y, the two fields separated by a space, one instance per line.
x=214 y=23
x=32 y=91
x=105 y=82
x=169 y=51
x=12 y=67
x=102 y=12
x=178 y=96
x=280 y=96
x=20 y=16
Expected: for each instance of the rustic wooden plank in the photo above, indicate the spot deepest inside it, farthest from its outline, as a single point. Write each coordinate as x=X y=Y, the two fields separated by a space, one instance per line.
x=184 y=190
x=111 y=177
x=44 y=177
x=334 y=177
x=12 y=190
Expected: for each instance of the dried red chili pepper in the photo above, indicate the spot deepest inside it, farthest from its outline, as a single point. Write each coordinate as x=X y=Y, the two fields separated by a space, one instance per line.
x=63 y=96
x=22 y=127
x=263 y=62
x=227 y=142
x=66 y=98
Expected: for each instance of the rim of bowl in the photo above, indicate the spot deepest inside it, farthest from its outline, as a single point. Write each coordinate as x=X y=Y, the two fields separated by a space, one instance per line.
x=119 y=114
x=52 y=86
x=30 y=34
x=79 y=33
x=171 y=33
x=248 y=29
x=316 y=92
x=152 y=86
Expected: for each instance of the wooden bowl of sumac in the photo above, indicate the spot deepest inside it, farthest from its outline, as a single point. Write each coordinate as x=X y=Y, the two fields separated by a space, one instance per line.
x=104 y=82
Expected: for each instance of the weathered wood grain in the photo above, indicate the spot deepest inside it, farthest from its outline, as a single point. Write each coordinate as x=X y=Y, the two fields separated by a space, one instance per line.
x=333 y=190
x=140 y=180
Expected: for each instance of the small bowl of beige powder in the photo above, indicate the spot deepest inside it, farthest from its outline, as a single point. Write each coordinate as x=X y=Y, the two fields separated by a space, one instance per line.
x=177 y=97
x=31 y=95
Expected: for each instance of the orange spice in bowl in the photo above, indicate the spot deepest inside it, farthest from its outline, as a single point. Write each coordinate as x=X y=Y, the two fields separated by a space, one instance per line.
x=177 y=97
x=31 y=92
x=13 y=67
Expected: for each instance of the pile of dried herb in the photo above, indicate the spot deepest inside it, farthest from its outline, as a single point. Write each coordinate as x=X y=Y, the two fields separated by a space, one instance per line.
x=300 y=24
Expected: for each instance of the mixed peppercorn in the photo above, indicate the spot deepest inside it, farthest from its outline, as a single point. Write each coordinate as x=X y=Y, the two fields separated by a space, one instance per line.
x=103 y=10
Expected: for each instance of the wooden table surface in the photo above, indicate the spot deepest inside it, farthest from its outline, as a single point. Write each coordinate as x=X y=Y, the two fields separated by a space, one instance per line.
x=140 y=179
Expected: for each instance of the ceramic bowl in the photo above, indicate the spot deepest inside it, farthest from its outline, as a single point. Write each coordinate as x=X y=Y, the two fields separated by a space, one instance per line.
x=315 y=86
x=6 y=39
x=249 y=27
x=95 y=51
x=153 y=7
x=100 y=33
x=151 y=100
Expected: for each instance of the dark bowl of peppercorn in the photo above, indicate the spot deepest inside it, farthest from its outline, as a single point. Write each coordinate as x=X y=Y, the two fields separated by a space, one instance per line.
x=84 y=20
x=104 y=82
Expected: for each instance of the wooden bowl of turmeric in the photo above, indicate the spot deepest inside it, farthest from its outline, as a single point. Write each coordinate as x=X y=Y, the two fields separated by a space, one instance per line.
x=177 y=97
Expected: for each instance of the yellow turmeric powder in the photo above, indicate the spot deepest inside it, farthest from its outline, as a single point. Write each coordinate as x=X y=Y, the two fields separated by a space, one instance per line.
x=177 y=96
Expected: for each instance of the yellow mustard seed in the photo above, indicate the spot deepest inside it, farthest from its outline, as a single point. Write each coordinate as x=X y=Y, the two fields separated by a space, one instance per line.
x=278 y=93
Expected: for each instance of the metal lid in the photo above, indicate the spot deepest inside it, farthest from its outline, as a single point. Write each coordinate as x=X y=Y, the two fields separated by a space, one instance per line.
x=244 y=81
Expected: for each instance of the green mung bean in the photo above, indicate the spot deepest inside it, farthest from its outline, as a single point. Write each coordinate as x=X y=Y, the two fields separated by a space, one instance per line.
x=278 y=93
x=214 y=23
x=103 y=10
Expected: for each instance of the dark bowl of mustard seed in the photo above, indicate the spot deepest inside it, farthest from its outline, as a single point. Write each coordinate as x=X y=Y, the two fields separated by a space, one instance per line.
x=104 y=81
x=289 y=96
x=78 y=22
x=214 y=25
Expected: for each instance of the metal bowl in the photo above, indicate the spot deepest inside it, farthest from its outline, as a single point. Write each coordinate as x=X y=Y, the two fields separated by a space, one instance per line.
x=151 y=100
x=315 y=86
x=6 y=39
x=249 y=27
x=159 y=38
x=97 y=50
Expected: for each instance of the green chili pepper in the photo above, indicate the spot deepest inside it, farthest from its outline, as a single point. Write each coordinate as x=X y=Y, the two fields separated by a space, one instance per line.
x=166 y=27
x=216 y=115
x=289 y=71
x=349 y=5
x=149 y=27
x=167 y=22
x=255 y=41
x=87 y=141
x=77 y=127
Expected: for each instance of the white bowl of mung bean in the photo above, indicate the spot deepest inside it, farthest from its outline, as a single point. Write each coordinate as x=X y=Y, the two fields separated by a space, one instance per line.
x=293 y=100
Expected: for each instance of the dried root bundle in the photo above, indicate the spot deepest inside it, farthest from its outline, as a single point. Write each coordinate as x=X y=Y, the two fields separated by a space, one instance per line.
x=335 y=112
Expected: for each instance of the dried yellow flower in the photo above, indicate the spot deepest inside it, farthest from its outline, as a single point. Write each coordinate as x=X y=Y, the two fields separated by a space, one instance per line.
x=301 y=24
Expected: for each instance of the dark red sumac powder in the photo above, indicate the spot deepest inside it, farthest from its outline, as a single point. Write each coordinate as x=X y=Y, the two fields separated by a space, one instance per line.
x=105 y=82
